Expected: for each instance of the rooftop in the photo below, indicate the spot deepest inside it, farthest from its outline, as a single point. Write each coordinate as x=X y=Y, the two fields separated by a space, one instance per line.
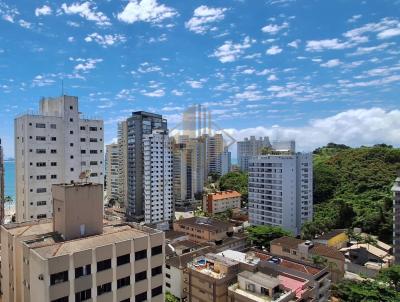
x=223 y=195
x=249 y=258
x=331 y=234
x=260 y=278
x=205 y=223
x=207 y=265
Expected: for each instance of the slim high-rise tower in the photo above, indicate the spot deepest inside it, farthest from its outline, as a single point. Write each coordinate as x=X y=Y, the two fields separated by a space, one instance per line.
x=54 y=146
x=112 y=171
x=250 y=147
x=139 y=125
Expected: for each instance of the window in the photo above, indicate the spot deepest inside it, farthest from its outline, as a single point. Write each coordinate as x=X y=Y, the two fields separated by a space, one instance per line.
x=83 y=295
x=156 y=250
x=168 y=285
x=53 y=151
x=156 y=291
x=41 y=203
x=93 y=151
x=40 y=177
x=53 y=176
x=123 y=259
x=40 y=151
x=93 y=128
x=53 y=164
x=141 y=297
x=71 y=144
x=41 y=164
x=140 y=276
x=71 y=169
x=156 y=271
x=58 y=277
x=93 y=140
x=103 y=265
x=104 y=288
x=83 y=128
x=82 y=271
x=83 y=139
x=71 y=107
x=168 y=276
x=38 y=125
x=93 y=174
x=53 y=138
x=93 y=163
x=141 y=255
x=83 y=151
x=71 y=119
x=41 y=216
x=41 y=190
x=123 y=282
x=53 y=126
x=63 y=299
x=71 y=157
x=40 y=138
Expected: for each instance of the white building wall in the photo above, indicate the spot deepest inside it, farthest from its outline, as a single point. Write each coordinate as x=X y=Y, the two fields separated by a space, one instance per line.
x=54 y=146
x=280 y=191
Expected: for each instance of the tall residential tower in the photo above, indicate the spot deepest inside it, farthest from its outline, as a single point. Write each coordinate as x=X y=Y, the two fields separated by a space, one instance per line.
x=250 y=147
x=53 y=146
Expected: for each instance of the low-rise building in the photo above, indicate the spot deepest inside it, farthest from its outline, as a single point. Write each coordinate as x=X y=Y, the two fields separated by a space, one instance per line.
x=75 y=257
x=311 y=252
x=219 y=202
x=335 y=238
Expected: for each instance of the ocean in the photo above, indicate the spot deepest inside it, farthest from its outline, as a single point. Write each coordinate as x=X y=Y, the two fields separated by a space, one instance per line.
x=9 y=181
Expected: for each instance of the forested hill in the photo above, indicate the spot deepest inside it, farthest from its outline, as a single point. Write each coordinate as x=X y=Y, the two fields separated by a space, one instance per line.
x=352 y=189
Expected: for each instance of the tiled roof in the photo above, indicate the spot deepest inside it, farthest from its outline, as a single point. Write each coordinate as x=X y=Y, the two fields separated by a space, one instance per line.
x=331 y=234
x=204 y=223
x=223 y=195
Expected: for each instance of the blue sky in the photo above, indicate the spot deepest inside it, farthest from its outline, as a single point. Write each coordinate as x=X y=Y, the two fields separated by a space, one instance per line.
x=316 y=71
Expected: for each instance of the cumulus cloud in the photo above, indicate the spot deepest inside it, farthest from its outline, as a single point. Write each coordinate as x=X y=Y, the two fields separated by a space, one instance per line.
x=155 y=93
x=196 y=84
x=366 y=50
x=146 y=11
x=85 y=65
x=204 y=17
x=331 y=63
x=389 y=33
x=273 y=50
x=177 y=92
x=273 y=29
x=353 y=127
x=230 y=52
x=87 y=11
x=106 y=40
x=43 y=11
x=294 y=44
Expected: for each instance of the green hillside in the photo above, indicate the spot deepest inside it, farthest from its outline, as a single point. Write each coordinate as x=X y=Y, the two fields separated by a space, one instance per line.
x=352 y=189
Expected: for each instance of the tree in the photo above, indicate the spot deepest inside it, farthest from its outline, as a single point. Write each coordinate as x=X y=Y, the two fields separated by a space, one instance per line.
x=262 y=235
x=237 y=181
x=170 y=297
x=391 y=275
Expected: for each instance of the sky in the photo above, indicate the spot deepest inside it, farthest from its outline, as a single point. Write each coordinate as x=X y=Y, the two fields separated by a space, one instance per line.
x=312 y=70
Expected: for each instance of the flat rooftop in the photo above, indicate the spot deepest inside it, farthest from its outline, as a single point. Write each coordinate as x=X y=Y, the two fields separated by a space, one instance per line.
x=205 y=223
x=39 y=237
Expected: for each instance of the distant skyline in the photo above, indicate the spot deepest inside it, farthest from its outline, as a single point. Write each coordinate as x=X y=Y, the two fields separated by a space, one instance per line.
x=316 y=71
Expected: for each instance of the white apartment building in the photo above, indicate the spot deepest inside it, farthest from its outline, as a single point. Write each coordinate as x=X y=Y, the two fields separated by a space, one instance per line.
x=157 y=179
x=54 y=146
x=112 y=171
x=250 y=147
x=123 y=163
x=280 y=190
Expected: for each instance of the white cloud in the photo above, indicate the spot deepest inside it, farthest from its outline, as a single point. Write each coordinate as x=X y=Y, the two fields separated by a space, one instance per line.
x=196 y=84
x=273 y=50
x=177 y=92
x=86 y=64
x=294 y=44
x=230 y=52
x=146 y=11
x=203 y=17
x=43 y=11
x=273 y=29
x=8 y=13
x=377 y=82
x=272 y=77
x=147 y=67
x=354 y=18
x=106 y=40
x=87 y=11
x=43 y=80
x=353 y=127
x=331 y=63
x=71 y=39
x=155 y=93
x=24 y=24
x=319 y=45
x=366 y=50
x=389 y=33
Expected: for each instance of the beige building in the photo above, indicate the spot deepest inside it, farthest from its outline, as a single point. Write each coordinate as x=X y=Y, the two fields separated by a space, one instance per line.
x=220 y=202
x=76 y=257
x=112 y=171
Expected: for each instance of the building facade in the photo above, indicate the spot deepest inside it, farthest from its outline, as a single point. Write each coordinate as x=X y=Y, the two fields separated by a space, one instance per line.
x=280 y=190
x=396 y=219
x=250 y=147
x=2 y=171
x=54 y=146
x=74 y=257
x=219 y=202
x=123 y=162
x=112 y=171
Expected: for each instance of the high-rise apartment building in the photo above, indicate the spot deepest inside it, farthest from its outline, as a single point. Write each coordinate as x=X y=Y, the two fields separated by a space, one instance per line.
x=123 y=162
x=157 y=179
x=250 y=147
x=112 y=171
x=140 y=128
x=52 y=146
x=280 y=190
x=2 y=170
x=75 y=257
x=396 y=219
x=215 y=148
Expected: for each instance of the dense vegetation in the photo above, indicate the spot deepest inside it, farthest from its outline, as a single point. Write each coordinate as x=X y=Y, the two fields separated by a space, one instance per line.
x=237 y=181
x=386 y=287
x=352 y=189
x=261 y=235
